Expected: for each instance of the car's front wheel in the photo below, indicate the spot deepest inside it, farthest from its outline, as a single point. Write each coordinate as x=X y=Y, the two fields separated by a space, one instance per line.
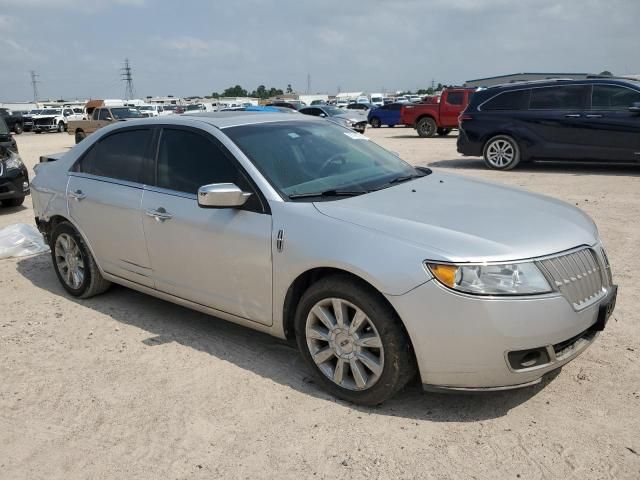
x=426 y=127
x=353 y=340
x=74 y=265
x=501 y=153
x=60 y=127
x=17 y=128
x=375 y=122
x=80 y=135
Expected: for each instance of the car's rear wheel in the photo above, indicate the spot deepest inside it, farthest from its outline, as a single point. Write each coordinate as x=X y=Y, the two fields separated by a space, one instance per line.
x=353 y=341
x=74 y=265
x=443 y=132
x=501 y=153
x=375 y=122
x=80 y=135
x=13 y=202
x=426 y=127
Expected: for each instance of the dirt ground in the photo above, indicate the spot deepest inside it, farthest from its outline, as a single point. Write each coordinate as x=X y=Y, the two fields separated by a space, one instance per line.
x=130 y=387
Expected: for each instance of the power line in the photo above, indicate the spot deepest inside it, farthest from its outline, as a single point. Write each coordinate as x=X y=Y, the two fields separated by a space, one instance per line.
x=34 y=85
x=127 y=77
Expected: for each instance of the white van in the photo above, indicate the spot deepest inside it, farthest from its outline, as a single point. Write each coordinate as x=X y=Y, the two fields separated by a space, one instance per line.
x=377 y=99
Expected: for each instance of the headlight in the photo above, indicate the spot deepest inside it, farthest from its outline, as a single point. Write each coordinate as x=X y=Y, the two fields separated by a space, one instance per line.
x=14 y=162
x=492 y=279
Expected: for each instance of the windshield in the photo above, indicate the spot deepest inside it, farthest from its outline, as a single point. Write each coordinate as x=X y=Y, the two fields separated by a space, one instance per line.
x=332 y=111
x=193 y=107
x=125 y=112
x=35 y=112
x=52 y=111
x=301 y=158
x=145 y=107
x=3 y=127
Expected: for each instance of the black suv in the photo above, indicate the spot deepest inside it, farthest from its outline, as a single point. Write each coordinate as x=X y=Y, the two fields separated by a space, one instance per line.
x=13 y=121
x=596 y=119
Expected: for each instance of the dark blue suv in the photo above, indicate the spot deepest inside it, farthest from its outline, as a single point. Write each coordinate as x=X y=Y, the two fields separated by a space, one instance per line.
x=385 y=115
x=596 y=119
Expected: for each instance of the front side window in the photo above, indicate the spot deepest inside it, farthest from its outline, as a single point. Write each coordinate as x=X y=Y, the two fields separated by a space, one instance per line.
x=613 y=97
x=566 y=97
x=121 y=156
x=104 y=114
x=301 y=158
x=188 y=160
x=455 y=98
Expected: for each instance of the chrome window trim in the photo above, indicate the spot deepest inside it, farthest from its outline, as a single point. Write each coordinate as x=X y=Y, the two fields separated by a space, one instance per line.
x=124 y=183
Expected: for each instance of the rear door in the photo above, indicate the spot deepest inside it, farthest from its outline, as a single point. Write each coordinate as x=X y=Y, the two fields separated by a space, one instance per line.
x=393 y=113
x=104 y=194
x=450 y=108
x=556 y=120
x=613 y=131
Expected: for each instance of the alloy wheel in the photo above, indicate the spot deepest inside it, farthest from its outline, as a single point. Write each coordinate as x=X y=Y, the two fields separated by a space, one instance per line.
x=69 y=260
x=344 y=344
x=500 y=153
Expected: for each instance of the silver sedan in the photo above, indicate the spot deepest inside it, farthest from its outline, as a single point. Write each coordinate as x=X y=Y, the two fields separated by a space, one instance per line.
x=304 y=229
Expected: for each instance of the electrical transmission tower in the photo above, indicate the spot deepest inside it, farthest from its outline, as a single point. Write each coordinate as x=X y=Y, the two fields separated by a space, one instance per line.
x=34 y=85
x=127 y=77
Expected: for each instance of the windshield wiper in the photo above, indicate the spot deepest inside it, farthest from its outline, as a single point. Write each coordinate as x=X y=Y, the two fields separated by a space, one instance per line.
x=405 y=178
x=328 y=193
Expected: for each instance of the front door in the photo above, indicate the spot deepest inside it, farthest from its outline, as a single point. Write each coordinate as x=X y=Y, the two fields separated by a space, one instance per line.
x=104 y=194
x=220 y=258
x=613 y=131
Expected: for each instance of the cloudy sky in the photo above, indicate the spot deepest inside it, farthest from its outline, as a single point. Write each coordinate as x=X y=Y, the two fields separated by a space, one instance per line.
x=195 y=47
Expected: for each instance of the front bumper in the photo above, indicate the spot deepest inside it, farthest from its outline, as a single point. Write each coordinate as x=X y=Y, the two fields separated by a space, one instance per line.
x=14 y=183
x=463 y=342
x=360 y=127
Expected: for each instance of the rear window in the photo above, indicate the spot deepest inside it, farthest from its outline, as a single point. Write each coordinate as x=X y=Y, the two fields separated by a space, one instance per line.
x=613 y=97
x=566 y=97
x=513 y=100
x=455 y=98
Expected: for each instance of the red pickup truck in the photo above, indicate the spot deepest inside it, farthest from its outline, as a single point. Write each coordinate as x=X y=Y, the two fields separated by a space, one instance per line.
x=442 y=117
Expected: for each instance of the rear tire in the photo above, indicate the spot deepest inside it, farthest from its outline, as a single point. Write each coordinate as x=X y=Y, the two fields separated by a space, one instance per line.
x=80 y=135
x=443 y=132
x=74 y=265
x=501 y=152
x=13 y=202
x=363 y=361
x=375 y=122
x=17 y=128
x=426 y=127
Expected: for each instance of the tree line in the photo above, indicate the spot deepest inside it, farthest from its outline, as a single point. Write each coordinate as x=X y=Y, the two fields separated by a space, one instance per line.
x=261 y=92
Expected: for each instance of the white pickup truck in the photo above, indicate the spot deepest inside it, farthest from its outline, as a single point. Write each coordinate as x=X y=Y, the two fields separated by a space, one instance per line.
x=54 y=119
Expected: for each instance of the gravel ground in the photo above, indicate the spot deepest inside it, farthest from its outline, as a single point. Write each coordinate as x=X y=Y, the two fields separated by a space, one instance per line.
x=127 y=386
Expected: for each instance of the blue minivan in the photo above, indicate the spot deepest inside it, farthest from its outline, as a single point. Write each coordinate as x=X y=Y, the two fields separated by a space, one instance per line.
x=385 y=115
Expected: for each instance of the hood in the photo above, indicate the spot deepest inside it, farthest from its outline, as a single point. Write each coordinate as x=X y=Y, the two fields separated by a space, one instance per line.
x=356 y=116
x=466 y=220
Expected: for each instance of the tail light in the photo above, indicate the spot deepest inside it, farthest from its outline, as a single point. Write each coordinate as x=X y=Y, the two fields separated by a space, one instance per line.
x=463 y=117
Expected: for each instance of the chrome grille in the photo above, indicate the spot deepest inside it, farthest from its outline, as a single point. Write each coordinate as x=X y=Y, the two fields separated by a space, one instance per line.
x=577 y=275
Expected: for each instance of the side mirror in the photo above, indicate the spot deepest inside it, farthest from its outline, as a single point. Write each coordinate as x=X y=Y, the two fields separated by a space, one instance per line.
x=635 y=107
x=323 y=115
x=222 y=195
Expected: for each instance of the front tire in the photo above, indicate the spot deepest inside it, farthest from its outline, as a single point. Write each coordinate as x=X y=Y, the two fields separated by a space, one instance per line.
x=74 y=265
x=60 y=127
x=501 y=152
x=443 y=132
x=375 y=122
x=17 y=128
x=80 y=135
x=426 y=127
x=353 y=341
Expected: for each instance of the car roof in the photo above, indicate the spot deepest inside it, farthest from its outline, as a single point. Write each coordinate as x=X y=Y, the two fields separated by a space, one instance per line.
x=559 y=81
x=227 y=119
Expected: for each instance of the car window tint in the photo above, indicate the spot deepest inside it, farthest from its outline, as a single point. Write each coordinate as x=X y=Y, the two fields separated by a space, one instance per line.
x=122 y=156
x=613 y=97
x=514 y=100
x=104 y=114
x=95 y=114
x=455 y=98
x=395 y=106
x=188 y=160
x=565 y=97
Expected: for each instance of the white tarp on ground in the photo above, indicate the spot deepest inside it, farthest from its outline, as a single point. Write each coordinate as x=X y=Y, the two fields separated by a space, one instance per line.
x=21 y=239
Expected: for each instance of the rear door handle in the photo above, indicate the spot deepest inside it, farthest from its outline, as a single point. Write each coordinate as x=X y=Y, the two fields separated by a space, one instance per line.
x=593 y=115
x=572 y=115
x=160 y=214
x=77 y=195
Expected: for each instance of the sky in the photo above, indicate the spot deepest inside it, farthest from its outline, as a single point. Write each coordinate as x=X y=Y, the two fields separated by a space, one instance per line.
x=196 y=47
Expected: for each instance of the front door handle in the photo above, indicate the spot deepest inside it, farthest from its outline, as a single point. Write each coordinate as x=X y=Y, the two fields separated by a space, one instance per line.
x=77 y=195
x=572 y=115
x=593 y=115
x=160 y=214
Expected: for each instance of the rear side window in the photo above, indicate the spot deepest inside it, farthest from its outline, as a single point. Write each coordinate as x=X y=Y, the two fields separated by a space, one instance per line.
x=455 y=98
x=513 y=100
x=566 y=97
x=613 y=97
x=121 y=156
